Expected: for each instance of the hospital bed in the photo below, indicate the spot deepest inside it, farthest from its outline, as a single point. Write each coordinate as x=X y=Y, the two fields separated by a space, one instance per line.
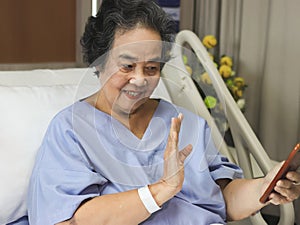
x=30 y=99
x=248 y=152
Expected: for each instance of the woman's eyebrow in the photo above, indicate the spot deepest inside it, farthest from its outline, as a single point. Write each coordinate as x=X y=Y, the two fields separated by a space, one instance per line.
x=135 y=59
x=155 y=59
x=128 y=57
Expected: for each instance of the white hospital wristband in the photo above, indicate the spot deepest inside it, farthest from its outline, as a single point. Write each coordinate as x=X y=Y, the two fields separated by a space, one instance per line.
x=148 y=200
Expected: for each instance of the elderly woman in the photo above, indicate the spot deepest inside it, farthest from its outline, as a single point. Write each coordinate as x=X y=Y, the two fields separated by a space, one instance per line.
x=123 y=157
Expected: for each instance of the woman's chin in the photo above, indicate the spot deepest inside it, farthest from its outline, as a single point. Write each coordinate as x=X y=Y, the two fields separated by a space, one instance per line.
x=130 y=109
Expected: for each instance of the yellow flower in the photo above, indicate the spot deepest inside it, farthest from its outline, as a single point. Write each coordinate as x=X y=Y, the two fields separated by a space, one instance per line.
x=226 y=60
x=209 y=41
x=225 y=71
x=205 y=78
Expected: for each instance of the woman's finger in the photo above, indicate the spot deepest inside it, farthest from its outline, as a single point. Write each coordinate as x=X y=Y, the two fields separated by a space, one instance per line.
x=277 y=199
x=289 y=194
x=294 y=176
x=184 y=153
x=173 y=135
x=176 y=122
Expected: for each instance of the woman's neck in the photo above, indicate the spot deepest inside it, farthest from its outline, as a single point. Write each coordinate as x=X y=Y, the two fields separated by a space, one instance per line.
x=137 y=121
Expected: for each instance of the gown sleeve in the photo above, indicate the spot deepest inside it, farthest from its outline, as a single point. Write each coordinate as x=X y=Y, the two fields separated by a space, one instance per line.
x=219 y=165
x=62 y=177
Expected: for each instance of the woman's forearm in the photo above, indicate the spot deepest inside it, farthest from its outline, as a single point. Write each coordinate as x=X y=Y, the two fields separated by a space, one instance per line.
x=242 y=198
x=120 y=208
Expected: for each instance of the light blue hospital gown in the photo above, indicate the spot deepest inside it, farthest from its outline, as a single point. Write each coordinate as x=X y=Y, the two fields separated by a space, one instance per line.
x=87 y=153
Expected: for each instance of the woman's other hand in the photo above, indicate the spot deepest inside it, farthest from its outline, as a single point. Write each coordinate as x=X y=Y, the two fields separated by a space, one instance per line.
x=286 y=190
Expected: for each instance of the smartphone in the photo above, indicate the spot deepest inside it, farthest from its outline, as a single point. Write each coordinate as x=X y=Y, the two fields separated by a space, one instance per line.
x=291 y=164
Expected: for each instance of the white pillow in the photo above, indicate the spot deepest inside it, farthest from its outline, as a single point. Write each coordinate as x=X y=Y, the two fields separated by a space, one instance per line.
x=28 y=101
x=25 y=112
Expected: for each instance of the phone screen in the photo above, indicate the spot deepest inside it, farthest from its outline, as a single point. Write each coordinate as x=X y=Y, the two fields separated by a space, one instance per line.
x=291 y=164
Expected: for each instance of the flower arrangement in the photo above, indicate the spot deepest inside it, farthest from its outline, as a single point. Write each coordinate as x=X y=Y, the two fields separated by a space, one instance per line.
x=235 y=84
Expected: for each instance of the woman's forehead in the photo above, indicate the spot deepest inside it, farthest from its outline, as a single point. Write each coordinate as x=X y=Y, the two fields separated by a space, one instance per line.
x=138 y=51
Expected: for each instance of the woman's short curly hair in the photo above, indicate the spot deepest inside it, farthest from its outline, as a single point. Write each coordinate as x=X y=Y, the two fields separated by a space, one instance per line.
x=123 y=15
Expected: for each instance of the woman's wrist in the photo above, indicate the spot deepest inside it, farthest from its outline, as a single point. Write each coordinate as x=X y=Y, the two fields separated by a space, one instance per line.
x=161 y=192
x=147 y=198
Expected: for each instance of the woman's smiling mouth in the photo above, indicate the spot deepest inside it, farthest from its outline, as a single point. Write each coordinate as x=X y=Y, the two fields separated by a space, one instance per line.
x=133 y=94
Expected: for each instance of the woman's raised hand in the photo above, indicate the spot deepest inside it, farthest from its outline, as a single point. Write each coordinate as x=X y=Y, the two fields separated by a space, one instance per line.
x=174 y=159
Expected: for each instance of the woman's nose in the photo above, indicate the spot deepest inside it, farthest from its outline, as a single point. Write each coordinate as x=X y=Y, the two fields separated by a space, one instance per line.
x=138 y=81
x=138 y=77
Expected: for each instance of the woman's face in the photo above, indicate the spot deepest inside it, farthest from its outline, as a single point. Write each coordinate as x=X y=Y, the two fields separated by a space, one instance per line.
x=132 y=71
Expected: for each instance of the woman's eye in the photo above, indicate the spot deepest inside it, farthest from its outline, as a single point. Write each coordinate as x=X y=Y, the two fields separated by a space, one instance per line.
x=151 y=69
x=126 y=68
